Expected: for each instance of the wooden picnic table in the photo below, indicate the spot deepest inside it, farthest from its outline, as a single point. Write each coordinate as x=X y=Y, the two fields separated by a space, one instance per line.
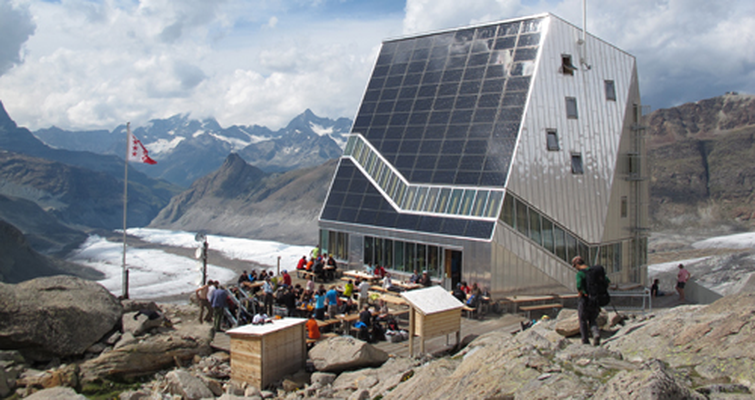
x=407 y=285
x=391 y=299
x=518 y=300
x=361 y=275
x=252 y=286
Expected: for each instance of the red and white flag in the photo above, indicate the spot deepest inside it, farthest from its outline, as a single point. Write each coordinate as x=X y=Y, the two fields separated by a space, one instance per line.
x=137 y=152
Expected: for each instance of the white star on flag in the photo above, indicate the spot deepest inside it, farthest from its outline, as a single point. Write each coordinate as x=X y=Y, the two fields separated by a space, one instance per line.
x=137 y=151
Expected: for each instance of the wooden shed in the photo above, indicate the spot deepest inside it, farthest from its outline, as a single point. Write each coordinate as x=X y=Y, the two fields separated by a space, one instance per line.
x=433 y=312
x=264 y=354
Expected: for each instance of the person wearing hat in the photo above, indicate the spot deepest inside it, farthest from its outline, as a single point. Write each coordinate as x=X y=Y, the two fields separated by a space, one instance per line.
x=286 y=278
x=425 y=279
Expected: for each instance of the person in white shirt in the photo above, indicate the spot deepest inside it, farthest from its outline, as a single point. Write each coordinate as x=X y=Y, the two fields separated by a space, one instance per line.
x=364 y=294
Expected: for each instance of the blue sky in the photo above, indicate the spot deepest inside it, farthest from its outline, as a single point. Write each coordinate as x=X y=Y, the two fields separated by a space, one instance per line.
x=94 y=64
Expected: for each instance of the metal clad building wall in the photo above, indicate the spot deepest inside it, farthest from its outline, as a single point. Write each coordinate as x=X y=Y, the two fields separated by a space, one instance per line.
x=520 y=267
x=543 y=178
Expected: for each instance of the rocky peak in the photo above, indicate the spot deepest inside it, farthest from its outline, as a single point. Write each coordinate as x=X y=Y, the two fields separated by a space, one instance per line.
x=701 y=119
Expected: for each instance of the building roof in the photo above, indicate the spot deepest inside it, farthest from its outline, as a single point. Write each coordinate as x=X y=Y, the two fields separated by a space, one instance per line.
x=436 y=130
x=260 y=330
x=432 y=300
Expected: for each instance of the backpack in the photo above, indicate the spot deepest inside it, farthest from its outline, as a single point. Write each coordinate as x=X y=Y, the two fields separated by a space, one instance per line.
x=597 y=286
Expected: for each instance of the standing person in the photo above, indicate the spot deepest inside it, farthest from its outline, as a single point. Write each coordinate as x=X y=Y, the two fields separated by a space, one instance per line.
x=681 y=281
x=320 y=305
x=586 y=310
x=218 y=301
x=332 y=298
x=204 y=303
x=313 y=330
x=348 y=289
x=364 y=293
x=268 y=290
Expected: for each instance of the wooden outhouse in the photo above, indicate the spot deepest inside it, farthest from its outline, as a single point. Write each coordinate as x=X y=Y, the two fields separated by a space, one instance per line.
x=264 y=354
x=433 y=312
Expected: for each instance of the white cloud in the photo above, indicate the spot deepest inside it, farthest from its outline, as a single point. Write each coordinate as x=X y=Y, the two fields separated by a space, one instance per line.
x=16 y=25
x=96 y=64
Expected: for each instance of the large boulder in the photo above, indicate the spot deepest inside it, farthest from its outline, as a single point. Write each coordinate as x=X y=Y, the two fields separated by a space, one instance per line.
x=651 y=381
x=148 y=356
x=56 y=393
x=55 y=316
x=345 y=353
x=187 y=386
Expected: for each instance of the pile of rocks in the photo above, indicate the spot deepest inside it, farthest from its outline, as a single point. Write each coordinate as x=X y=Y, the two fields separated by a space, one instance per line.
x=693 y=352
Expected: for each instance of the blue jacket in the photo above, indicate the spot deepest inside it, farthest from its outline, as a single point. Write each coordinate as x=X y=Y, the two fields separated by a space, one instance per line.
x=219 y=298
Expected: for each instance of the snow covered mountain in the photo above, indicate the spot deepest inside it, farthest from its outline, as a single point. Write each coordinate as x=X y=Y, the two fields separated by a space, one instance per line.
x=187 y=149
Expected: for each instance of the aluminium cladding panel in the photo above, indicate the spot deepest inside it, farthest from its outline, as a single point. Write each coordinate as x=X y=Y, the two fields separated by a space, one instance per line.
x=544 y=178
x=521 y=267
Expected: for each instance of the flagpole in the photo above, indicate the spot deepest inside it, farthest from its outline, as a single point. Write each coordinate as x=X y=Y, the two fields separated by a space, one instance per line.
x=125 y=203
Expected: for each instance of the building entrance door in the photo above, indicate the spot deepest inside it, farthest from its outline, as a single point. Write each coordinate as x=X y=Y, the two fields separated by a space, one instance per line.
x=453 y=266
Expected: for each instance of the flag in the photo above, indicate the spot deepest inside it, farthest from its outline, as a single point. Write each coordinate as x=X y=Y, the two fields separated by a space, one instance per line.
x=137 y=152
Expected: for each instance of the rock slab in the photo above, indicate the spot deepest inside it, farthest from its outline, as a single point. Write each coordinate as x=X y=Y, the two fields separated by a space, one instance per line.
x=345 y=353
x=55 y=316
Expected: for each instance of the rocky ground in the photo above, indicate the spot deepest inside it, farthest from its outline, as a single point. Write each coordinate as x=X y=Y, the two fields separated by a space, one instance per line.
x=686 y=351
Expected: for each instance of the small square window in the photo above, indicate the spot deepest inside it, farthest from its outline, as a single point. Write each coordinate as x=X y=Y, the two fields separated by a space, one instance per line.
x=567 y=68
x=571 y=107
x=552 y=140
x=610 y=90
x=576 y=164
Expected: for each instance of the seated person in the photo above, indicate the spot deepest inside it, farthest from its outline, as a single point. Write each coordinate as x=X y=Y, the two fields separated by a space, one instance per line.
x=425 y=279
x=465 y=288
x=244 y=277
x=349 y=306
x=370 y=269
x=313 y=330
x=319 y=271
x=388 y=283
x=654 y=292
x=365 y=317
x=459 y=294
x=302 y=263
x=415 y=277
x=379 y=271
x=310 y=264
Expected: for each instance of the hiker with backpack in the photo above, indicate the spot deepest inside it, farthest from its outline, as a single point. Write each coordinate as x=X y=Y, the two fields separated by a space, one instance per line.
x=592 y=286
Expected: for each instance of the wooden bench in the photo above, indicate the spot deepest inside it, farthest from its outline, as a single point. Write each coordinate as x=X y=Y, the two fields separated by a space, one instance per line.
x=305 y=273
x=529 y=309
x=323 y=336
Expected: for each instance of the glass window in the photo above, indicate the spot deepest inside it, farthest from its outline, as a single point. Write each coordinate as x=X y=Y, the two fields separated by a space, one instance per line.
x=350 y=145
x=610 y=90
x=567 y=68
x=479 y=203
x=624 y=207
x=571 y=247
x=560 y=243
x=445 y=193
x=571 y=108
x=522 y=220
x=552 y=140
x=358 y=149
x=409 y=256
x=420 y=199
x=387 y=252
x=576 y=164
x=454 y=201
x=400 y=193
x=398 y=256
x=466 y=205
x=378 y=251
x=494 y=204
x=368 y=246
x=507 y=213
x=324 y=240
x=421 y=260
x=617 y=257
x=370 y=165
x=535 y=227
x=432 y=195
x=433 y=260
x=392 y=179
x=409 y=198
x=547 y=234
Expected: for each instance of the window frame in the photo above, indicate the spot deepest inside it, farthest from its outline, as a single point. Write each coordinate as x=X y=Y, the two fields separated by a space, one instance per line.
x=571 y=105
x=577 y=168
x=610 y=94
x=552 y=145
